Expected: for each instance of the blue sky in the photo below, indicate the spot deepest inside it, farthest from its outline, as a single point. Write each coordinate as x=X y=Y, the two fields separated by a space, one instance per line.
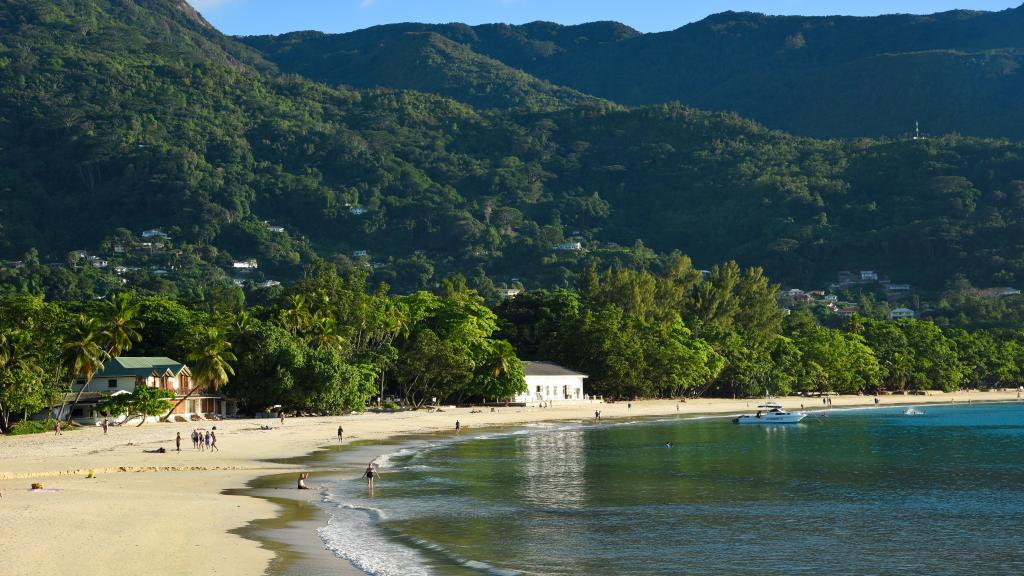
x=278 y=16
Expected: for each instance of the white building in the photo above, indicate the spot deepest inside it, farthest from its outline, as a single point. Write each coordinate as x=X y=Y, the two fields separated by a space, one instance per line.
x=360 y=254
x=868 y=276
x=276 y=229
x=155 y=233
x=357 y=210
x=899 y=313
x=249 y=264
x=570 y=246
x=548 y=381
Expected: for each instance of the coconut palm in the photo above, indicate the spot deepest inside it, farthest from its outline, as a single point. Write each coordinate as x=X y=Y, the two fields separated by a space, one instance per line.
x=120 y=323
x=82 y=355
x=297 y=316
x=210 y=356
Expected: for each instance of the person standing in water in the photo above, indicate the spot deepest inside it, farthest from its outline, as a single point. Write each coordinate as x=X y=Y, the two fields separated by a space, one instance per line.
x=371 y=472
x=341 y=433
x=458 y=426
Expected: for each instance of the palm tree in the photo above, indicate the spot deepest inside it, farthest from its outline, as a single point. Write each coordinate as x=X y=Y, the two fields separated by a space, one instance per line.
x=296 y=318
x=121 y=327
x=210 y=356
x=82 y=355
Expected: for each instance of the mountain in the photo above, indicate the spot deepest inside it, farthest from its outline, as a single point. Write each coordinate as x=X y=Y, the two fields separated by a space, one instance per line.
x=826 y=77
x=410 y=60
x=117 y=117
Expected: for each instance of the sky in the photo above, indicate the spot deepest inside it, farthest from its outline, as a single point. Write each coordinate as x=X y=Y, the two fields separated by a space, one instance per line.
x=244 y=17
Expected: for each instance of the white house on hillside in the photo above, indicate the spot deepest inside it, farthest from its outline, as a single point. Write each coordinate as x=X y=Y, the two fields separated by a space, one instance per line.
x=898 y=313
x=549 y=381
x=249 y=264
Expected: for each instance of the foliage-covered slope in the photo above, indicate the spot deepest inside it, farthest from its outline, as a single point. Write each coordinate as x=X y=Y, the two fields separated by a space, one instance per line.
x=423 y=61
x=153 y=120
x=821 y=76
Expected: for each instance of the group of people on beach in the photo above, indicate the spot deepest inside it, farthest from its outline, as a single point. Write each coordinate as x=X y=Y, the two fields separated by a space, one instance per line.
x=202 y=442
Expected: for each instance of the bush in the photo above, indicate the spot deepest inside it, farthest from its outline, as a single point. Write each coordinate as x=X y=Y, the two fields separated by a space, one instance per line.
x=33 y=427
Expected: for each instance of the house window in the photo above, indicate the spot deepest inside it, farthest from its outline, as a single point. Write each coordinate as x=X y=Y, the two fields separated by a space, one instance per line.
x=112 y=383
x=80 y=382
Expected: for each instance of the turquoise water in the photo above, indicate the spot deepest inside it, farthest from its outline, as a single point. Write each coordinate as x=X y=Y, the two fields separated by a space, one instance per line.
x=858 y=492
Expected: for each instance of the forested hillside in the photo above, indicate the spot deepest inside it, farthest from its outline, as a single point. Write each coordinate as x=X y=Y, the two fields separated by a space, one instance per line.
x=128 y=116
x=819 y=76
x=423 y=61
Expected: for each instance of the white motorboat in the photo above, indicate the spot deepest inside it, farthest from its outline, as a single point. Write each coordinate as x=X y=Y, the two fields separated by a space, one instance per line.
x=912 y=412
x=771 y=413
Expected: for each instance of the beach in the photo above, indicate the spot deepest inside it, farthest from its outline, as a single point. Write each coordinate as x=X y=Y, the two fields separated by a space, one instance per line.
x=182 y=513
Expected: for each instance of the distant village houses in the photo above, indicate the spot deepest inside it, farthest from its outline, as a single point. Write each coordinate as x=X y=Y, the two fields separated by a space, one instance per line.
x=249 y=264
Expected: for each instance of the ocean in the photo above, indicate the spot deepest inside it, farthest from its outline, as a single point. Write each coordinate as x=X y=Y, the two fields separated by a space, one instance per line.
x=867 y=491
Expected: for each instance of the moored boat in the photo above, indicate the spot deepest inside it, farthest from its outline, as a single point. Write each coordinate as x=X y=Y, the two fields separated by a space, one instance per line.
x=771 y=413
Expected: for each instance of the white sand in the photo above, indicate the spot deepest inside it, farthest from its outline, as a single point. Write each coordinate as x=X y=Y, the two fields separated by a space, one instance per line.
x=165 y=513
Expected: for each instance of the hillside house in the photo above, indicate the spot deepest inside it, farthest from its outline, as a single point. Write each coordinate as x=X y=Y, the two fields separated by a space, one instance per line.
x=847 y=311
x=901 y=313
x=249 y=264
x=509 y=293
x=570 y=246
x=360 y=254
x=547 y=381
x=155 y=233
x=357 y=210
x=868 y=276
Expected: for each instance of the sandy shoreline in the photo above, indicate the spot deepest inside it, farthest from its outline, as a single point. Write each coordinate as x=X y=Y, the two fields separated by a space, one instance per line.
x=169 y=514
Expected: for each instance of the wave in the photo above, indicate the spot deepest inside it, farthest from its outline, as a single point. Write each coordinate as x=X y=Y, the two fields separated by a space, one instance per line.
x=351 y=533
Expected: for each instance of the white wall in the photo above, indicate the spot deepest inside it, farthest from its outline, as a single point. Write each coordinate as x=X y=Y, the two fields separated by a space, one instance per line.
x=544 y=388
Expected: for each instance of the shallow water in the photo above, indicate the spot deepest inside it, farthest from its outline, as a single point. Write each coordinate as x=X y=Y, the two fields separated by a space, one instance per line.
x=856 y=492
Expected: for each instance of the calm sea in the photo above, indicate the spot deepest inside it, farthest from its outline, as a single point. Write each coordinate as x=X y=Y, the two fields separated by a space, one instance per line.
x=856 y=492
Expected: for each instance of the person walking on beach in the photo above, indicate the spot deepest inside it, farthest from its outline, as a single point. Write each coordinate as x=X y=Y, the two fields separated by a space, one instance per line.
x=213 y=442
x=458 y=426
x=177 y=441
x=597 y=415
x=105 y=424
x=209 y=441
x=629 y=408
x=281 y=416
x=195 y=439
x=57 y=429
x=371 y=472
x=341 y=433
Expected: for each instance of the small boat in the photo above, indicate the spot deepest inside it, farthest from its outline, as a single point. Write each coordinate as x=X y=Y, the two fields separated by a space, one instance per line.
x=771 y=413
x=912 y=412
